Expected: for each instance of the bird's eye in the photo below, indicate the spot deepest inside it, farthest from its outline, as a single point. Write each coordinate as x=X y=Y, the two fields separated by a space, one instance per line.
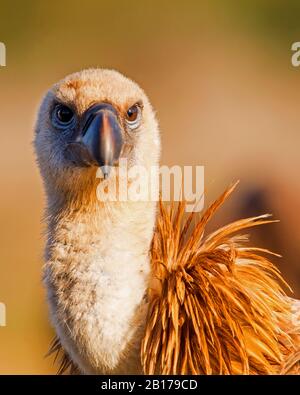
x=133 y=116
x=62 y=116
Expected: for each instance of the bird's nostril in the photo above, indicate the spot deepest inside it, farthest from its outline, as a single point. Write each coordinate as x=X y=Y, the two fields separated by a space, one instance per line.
x=87 y=123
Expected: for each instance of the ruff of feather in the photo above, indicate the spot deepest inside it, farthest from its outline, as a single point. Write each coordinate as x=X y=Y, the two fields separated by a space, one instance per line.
x=65 y=364
x=216 y=306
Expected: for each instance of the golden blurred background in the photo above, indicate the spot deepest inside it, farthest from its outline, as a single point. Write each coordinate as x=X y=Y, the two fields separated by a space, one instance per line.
x=218 y=73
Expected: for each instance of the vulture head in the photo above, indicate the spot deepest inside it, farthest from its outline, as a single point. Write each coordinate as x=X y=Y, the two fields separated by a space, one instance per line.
x=91 y=119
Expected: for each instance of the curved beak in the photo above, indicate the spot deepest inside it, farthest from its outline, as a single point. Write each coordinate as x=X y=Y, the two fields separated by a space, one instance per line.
x=103 y=138
x=100 y=139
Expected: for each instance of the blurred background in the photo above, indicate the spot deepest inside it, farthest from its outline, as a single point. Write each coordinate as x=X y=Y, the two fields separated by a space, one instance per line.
x=218 y=73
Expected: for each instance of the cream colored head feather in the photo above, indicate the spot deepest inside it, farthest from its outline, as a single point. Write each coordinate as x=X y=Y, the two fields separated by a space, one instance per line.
x=79 y=92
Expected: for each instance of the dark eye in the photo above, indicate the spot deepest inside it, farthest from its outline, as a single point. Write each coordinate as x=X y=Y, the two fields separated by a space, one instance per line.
x=133 y=116
x=62 y=116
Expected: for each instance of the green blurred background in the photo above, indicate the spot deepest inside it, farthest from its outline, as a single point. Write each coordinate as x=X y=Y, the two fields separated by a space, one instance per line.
x=218 y=73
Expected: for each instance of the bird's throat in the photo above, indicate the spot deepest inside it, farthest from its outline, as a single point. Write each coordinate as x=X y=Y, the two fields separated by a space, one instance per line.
x=96 y=274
